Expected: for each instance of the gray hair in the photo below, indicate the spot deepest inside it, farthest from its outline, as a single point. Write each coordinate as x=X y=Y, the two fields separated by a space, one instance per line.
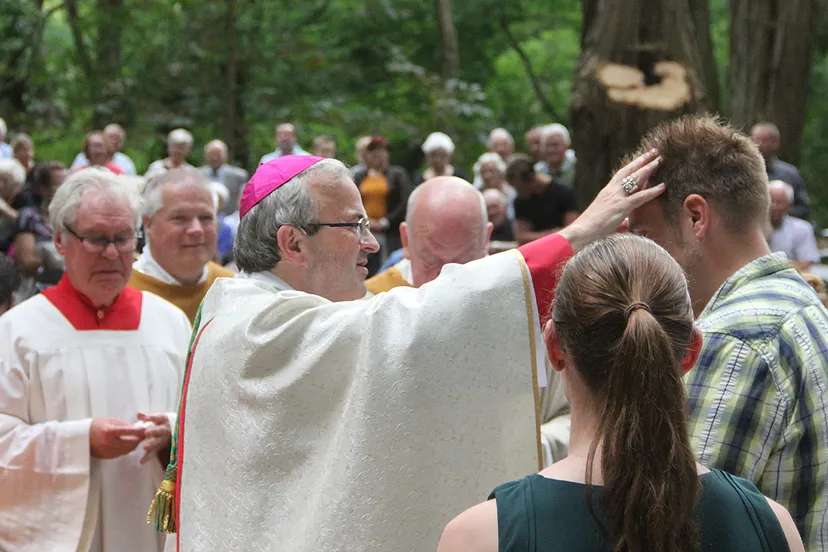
x=767 y=125
x=3 y=128
x=498 y=195
x=490 y=157
x=501 y=132
x=13 y=168
x=115 y=126
x=256 y=248
x=180 y=136
x=782 y=185
x=555 y=129
x=216 y=143
x=63 y=208
x=154 y=190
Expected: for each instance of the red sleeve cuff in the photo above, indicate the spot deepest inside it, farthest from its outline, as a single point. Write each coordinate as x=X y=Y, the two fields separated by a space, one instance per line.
x=545 y=259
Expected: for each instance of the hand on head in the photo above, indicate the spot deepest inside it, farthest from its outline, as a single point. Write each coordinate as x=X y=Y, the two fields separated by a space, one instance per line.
x=613 y=205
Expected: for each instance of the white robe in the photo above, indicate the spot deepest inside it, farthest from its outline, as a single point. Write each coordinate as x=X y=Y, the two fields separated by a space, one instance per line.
x=366 y=425
x=53 y=380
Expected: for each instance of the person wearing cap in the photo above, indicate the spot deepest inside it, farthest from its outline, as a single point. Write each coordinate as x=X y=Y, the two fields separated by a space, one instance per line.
x=438 y=149
x=384 y=189
x=181 y=231
x=313 y=421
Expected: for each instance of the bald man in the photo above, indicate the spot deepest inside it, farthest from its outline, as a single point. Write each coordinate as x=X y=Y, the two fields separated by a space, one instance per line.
x=446 y=222
x=285 y=135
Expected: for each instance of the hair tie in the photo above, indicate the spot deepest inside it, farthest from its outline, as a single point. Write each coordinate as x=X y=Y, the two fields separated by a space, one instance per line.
x=634 y=307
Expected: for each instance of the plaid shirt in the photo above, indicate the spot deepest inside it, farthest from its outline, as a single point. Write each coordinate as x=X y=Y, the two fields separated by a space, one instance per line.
x=759 y=393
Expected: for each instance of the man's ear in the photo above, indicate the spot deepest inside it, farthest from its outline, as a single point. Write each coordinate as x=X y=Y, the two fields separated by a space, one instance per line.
x=291 y=243
x=404 y=239
x=553 y=346
x=693 y=350
x=698 y=214
x=60 y=245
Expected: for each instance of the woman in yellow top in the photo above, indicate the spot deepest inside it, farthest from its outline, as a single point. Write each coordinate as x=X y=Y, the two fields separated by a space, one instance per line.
x=384 y=189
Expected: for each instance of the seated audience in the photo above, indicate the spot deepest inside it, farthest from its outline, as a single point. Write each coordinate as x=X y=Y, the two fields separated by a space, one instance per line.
x=501 y=143
x=490 y=173
x=96 y=152
x=9 y=281
x=12 y=199
x=622 y=336
x=556 y=159
x=34 y=249
x=23 y=150
x=217 y=170
x=179 y=145
x=497 y=207
x=115 y=136
x=438 y=149
x=324 y=146
x=180 y=227
x=792 y=236
x=543 y=204
x=91 y=371
x=533 y=143
x=767 y=139
x=445 y=222
x=758 y=406
x=384 y=189
x=285 y=135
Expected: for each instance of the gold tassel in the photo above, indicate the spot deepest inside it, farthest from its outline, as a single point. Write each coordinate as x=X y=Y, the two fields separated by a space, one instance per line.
x=162 y=509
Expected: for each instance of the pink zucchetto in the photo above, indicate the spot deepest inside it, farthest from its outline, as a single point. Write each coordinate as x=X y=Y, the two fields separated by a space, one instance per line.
x=272 y=175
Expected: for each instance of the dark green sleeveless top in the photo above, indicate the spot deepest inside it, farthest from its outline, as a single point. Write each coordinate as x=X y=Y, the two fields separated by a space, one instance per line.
x=537 y=514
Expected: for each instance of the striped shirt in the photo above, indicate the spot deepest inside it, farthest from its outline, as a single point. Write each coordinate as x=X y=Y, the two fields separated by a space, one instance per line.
x=759 y=393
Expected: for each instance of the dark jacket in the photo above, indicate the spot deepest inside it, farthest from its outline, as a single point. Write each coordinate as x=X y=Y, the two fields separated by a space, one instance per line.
x=399 y=188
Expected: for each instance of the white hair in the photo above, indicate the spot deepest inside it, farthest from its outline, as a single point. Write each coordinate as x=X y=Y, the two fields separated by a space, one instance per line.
x=218 y=143
x=154 y=190
x=501 y=132
x=438 y=140
x=489 y=157
x=498 y=195
x=767 y=125
x=3 y=128
x=13 y=168
x=555 y=129
x=115 y=126
x=63 y=208
x=782 y=185
x=220 y=193
x=180 y=136
x=256 y=248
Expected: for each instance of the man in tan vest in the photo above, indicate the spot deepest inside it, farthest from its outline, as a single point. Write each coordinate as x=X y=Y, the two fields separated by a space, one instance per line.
x=180 y=225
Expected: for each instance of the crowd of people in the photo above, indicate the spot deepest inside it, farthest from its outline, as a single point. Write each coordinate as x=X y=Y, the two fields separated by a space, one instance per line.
x=350 y=363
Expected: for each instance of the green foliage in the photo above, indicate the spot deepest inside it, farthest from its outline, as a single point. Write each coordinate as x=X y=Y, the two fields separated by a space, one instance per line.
x=815 y=142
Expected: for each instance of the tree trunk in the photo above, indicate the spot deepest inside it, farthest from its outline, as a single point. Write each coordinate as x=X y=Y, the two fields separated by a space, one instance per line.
x=642 y=62
x=450 y=53
x=108 y=59
x=771 y=42
x=231 y=121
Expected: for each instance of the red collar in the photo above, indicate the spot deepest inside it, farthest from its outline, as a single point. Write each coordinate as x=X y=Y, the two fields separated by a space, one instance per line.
x=124 y=314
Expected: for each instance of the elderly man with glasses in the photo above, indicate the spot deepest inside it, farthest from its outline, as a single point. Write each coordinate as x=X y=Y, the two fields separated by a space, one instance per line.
x=90 y=372
x=310 y=420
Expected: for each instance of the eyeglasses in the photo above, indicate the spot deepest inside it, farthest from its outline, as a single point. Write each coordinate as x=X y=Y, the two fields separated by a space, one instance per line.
x=363 y=227
x=99 y=244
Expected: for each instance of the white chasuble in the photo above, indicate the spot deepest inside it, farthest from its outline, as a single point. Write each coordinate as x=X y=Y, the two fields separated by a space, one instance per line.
x=366 y=425
x=54 y=379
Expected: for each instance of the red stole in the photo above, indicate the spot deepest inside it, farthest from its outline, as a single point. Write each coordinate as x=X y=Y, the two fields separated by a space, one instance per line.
x=124 y=314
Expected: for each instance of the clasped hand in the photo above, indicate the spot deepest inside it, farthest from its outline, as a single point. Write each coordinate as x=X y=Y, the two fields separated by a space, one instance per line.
x=112 y=437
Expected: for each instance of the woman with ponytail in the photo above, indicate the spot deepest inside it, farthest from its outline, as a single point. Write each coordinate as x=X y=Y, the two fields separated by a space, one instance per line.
x=622 y=334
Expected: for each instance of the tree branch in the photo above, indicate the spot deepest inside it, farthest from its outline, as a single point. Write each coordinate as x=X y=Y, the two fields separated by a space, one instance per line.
x=77 y=36
x=530 y=72
x=34 y=41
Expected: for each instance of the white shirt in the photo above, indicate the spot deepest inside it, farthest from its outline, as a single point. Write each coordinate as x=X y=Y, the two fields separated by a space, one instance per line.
x=146 y=264
x=795 y=238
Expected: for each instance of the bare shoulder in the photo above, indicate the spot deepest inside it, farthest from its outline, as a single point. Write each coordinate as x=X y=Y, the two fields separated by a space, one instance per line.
x=475 y=530
x=788 y=526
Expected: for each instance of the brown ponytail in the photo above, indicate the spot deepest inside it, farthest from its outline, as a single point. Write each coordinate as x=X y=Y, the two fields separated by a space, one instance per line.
x=623 y=315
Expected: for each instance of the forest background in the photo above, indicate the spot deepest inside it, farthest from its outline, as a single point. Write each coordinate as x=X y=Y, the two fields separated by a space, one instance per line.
x=231 y=69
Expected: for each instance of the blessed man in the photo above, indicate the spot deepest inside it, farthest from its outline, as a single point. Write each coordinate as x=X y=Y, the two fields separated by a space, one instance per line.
x=80 y=364
x=316 y=422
